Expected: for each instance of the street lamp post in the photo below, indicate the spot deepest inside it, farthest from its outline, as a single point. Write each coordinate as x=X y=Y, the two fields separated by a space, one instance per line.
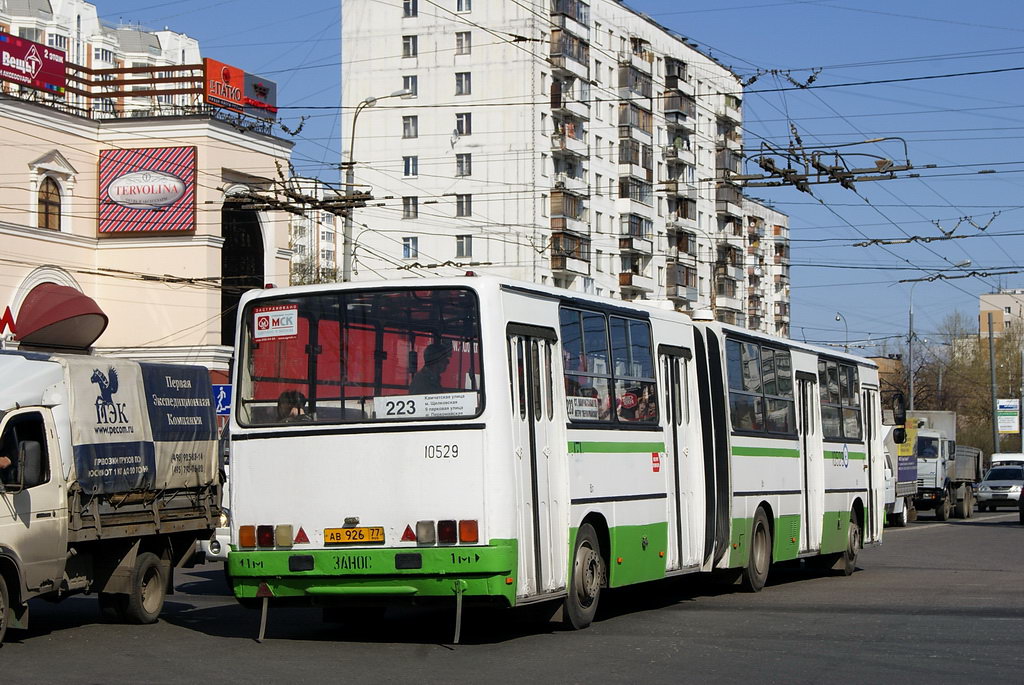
x=846 y=346
x=350 y=180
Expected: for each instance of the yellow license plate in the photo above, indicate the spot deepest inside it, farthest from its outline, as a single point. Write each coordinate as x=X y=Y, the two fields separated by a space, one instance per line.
x=343 y=536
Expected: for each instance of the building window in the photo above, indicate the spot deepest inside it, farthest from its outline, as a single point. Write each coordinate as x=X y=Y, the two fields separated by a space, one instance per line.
x=409 y=48
x=410 y=248
x=463 y=43
x=410 y=166
x=463 y=5
x=409 y=8
x=410 y=127
x=464 y=123
x=463 y=164
x=463 y=246
x=410 y=207
x=49 y=205
x=463 y=205
x=463 y=83
x=410 y=83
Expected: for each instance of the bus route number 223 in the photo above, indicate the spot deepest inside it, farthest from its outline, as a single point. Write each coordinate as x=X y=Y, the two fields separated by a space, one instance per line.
x=440 y=451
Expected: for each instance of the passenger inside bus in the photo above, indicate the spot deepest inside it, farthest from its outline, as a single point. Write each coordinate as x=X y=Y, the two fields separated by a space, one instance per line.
x=428 y=379
x=291 y=406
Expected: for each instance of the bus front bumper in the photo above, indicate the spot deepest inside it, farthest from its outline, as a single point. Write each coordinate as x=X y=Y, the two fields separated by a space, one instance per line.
x=376 y=574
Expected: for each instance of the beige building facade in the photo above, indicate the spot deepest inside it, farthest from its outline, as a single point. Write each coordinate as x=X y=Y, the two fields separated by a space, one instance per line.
x=169 y=295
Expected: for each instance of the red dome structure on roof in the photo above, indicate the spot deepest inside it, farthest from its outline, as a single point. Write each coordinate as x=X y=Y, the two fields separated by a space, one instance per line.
x=58 y=316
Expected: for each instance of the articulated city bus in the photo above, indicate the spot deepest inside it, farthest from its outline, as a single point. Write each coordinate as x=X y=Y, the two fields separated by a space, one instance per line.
x=483 y=439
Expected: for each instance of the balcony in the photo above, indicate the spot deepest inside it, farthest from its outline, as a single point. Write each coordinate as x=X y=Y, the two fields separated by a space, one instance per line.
x=636 y=244
x=728 y=302
x=641 y=61
x=576 y=224
x=566 y=265
x=731 y=141
x=682 y=258
x=677 y=188
x=729 y=110
x=678 y=291
x=566 y=144
x=732 y=271
x=782 y=259
x=680 y=121
x=627 y=168
x=729 y=206
x=566 y=105
x=632 y=282
x=675 y=154
x=570 y=56
x=680 y=222
x=567 y=17
x=681 y=82
x=567 y=181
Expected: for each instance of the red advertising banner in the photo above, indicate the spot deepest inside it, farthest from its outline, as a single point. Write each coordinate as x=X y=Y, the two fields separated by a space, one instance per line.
x=231 y=88
x=31 y=64
x=223 y=84
x=147 y=190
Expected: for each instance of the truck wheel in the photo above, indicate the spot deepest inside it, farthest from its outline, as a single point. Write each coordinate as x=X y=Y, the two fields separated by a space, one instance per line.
x=943 y=510
x=968 y=502
x=900 y=520
x=148 y=589
x=588 y=575
x=755 y=573
x=960 y=508
x=4 y=606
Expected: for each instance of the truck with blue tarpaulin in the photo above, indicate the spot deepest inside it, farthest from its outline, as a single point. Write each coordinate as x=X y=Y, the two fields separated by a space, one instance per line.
x=108 y=478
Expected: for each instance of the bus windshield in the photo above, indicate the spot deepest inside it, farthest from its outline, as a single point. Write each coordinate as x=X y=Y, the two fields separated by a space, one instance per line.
x=356 y=356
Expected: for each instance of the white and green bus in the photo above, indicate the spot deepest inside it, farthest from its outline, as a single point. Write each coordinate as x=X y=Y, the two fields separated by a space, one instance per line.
x=488 y=440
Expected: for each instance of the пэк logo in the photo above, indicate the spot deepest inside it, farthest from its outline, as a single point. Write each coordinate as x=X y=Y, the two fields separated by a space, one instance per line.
x=107 y=410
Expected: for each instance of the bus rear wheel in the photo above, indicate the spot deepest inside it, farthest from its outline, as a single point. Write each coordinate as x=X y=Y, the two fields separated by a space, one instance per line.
x=755 y=573
x=588 y=575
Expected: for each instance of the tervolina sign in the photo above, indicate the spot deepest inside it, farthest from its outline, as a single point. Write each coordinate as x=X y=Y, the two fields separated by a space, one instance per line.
x=146 y=189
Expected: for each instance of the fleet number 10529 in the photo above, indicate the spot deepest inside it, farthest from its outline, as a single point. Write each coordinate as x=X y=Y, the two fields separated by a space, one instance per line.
x=440 y=451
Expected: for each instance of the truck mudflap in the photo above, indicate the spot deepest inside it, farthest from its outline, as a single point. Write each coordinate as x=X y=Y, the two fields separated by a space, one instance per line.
x=324 y=576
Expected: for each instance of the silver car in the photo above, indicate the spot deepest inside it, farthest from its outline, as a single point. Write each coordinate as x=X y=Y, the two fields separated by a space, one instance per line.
x=1000 y=488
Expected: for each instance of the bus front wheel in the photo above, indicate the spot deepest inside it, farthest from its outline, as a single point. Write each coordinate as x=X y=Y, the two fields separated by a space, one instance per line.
x=588 y=574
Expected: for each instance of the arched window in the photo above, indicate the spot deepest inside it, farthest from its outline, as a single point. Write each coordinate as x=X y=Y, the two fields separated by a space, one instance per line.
x=49 y=204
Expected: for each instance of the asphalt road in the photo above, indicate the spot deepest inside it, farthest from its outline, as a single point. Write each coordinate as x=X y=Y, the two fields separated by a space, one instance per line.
x=936 y=603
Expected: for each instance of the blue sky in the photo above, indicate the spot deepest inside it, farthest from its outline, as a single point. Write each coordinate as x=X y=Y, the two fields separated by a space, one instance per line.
x=961 y=124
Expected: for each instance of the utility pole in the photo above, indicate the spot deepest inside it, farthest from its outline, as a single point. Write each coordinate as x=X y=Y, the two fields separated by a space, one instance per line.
x=992 y=367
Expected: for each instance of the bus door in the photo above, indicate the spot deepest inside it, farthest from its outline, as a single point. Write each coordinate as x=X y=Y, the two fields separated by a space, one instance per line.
x=543 y=536
x=810 y=458
x=676 y=421
x=873 y=524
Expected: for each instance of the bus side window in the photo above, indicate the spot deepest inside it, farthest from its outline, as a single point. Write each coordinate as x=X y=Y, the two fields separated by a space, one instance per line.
x=549 y=376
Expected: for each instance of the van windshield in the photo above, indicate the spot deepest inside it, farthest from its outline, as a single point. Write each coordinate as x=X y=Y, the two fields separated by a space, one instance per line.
x=1006 y=473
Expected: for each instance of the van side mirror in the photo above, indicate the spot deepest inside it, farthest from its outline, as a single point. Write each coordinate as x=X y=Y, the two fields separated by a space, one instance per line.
x=32 y=469
x=899 y=409
x=899 y=435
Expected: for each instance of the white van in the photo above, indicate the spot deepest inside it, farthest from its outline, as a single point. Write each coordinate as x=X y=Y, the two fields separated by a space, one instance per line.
x=1008 y=459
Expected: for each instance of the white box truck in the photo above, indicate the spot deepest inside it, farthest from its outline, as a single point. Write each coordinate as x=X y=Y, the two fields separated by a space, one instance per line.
x=945 y=471
x=109 y=477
